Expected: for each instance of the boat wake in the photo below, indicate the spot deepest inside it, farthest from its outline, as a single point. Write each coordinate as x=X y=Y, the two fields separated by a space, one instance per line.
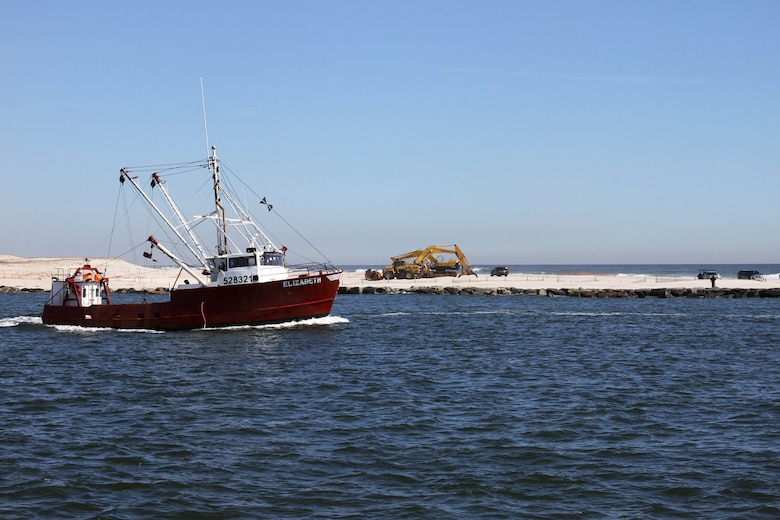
x=20 y=320
x=325 y=321
x=94 y=330
x=36 y=320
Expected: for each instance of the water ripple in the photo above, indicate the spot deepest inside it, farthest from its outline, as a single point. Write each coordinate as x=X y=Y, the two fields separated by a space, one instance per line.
x=416 y=407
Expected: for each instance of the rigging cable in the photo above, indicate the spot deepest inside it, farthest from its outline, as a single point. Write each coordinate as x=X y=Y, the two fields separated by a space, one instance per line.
x=270 y=208
x=113 y=228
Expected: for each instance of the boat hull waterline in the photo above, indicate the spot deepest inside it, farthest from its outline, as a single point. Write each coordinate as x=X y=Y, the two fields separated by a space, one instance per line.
x=269 y=302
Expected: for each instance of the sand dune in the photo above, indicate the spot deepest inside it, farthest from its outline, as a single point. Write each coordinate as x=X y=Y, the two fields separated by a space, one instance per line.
x=36 y=273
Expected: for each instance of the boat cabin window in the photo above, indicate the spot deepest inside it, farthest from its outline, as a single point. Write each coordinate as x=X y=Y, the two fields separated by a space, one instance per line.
x=273 y=259
x=240 y=261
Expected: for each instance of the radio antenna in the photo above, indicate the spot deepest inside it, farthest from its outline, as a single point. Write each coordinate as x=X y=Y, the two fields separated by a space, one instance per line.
x=205 y=127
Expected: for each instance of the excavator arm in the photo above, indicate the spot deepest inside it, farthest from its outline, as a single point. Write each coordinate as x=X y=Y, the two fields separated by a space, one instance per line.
x=448 y=266
x=464 y=263
x=424 y=263
x=407 y=256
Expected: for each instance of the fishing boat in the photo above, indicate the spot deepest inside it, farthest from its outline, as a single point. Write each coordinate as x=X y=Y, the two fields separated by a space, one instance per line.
x=246 y=283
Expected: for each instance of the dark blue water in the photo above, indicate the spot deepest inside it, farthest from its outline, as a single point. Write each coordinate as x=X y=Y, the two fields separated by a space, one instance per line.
x=402 y=406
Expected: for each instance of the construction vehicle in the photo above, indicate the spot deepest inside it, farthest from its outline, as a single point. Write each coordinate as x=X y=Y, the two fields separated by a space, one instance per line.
x=408 y=265
x=423 y=263
x=373 y=275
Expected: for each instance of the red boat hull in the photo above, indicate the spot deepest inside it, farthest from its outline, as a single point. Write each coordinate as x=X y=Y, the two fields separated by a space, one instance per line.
x=222 y=306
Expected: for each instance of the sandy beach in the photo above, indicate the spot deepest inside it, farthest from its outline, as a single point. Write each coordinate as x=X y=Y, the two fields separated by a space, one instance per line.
x=567 y=281
x=36 y=273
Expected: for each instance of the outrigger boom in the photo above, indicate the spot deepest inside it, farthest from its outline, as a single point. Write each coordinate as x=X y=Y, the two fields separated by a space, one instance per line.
x=124 y=175
x=167 y=252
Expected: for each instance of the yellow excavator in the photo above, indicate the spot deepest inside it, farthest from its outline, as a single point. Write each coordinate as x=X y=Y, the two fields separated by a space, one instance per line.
x=424 y=263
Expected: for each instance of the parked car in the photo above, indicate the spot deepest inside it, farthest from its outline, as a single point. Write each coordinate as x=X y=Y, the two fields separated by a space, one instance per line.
x=749 y=274
x=500 y=271
x=707 y=274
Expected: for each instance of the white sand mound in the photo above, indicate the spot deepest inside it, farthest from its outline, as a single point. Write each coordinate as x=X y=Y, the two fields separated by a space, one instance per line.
x=36 y=273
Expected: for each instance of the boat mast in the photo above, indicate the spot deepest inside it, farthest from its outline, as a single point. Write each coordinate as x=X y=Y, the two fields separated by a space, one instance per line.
x=251 y=230
x=222 y=237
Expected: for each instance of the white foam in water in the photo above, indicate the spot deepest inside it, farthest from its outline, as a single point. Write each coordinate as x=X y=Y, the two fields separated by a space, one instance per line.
x=36 y=320
x=311 y=322
x=18 y=320
x=92 y=330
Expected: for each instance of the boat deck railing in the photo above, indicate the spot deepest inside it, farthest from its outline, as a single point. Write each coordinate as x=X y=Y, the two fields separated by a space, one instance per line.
x=313 y=268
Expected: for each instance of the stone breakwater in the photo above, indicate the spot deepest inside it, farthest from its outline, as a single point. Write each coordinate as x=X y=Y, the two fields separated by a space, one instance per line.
x=576 y=293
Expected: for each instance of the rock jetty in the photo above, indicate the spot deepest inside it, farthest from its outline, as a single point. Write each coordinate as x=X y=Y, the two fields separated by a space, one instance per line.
x=573 y=293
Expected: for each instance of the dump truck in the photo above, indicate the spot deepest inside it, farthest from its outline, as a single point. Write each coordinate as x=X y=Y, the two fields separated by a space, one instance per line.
x=424 y=263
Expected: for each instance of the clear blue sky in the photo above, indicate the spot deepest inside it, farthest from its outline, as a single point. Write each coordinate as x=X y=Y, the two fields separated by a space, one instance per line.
x=523 y=131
